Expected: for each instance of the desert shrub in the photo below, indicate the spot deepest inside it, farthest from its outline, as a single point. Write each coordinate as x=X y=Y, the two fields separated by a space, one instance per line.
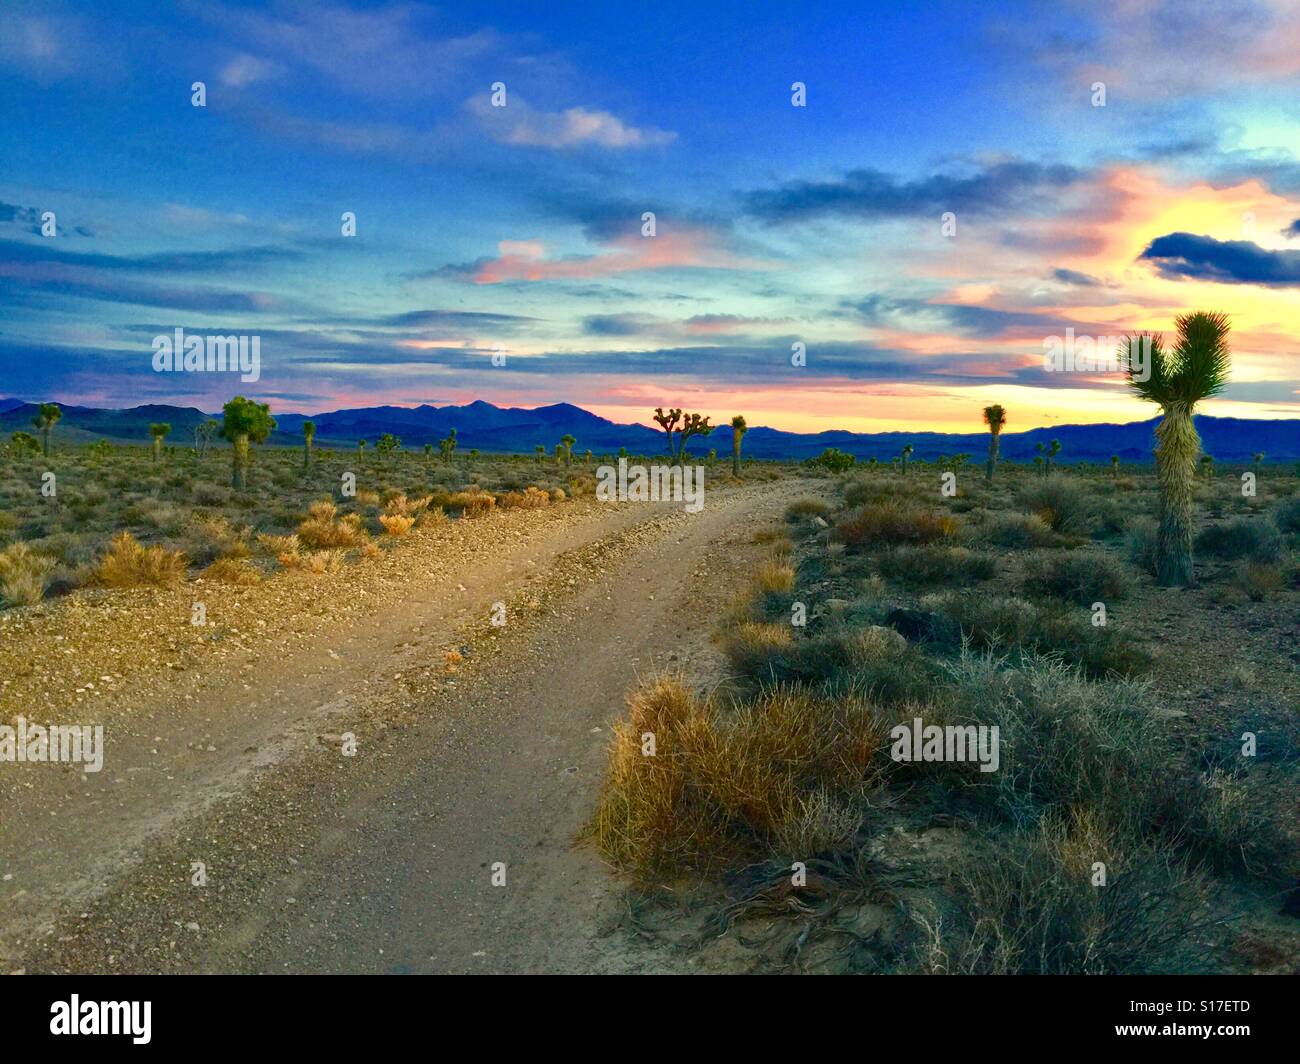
x=1017 y=530
x=315 y=563
x=23 y=575
x=235 y=571
x=860 y=492
x=1063 y=505
x=1085 y=579
x=1287 y=515
x=892 y=522
x=129 y=564
x=934 y=564
x=1260 y=579
x=1140 y=536
x=751 y=646
x=1029 y=907
x=396 y=524
x=530 y=498
x=731 y=784
x=1005 y=623
x=769 y=535
x=801 y=509
x=278 y=544
x=322 y=530
x=1241 y=537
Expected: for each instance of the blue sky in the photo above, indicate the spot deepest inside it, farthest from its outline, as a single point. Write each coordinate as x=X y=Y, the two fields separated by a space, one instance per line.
x=518 y=229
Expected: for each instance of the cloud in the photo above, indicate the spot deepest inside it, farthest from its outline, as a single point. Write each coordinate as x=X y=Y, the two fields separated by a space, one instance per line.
x=524 y=260
x=1074 y=277
x=575 y=127
x=1183 y=255
x=873 y=194
x=916 y=315
x=1292 y=230
x=245 y=69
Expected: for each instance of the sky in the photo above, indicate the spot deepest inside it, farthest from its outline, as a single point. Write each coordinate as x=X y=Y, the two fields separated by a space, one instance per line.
x=818 y=218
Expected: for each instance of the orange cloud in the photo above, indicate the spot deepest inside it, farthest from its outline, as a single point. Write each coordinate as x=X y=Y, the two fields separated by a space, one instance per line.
x=525 y=260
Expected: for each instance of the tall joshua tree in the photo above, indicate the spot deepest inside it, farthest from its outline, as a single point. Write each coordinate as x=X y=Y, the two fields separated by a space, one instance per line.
x=994 y=417
x=738 y=429
x=1053 y=449
x=308 y=434
x=245 y=422
x=1195 y=369
x=568 y=442
x=47 y=416
x=158 y=430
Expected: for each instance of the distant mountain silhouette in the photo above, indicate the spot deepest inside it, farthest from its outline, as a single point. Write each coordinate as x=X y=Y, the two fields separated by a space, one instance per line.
x=492 y=428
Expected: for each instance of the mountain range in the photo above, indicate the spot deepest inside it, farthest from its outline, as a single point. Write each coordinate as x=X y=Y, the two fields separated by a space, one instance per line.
x=490 y=428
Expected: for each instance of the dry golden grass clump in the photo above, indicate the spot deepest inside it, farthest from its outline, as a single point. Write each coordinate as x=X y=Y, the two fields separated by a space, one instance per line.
x=691 y=784
x=894 y=522
x=396 y=524
x=400 y=506
x=278 y=545
x=473 y=502
x=531 y=498
x=315 y=563
x=128 y=564
x=323 y=530
x=801 y=509
x=216 y=533
x=235 y=571
x=774 y=577
x=23 y=572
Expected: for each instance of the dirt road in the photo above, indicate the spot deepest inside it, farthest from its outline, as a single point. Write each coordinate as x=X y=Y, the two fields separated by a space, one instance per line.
x=233 y=831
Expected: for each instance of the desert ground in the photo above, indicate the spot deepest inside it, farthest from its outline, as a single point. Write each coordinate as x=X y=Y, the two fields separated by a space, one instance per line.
x=408 y=734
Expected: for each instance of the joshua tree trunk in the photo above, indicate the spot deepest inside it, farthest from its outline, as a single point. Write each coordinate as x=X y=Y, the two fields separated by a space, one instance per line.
x=993 y=458
x=45 y=442
x=1177 y=448
x=157 y=448
x=735 y=454
x=306 y=460
x=240 y=478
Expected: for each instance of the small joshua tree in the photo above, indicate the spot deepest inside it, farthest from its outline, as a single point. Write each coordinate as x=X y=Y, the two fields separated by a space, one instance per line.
x=1207 y=466
x=692 y=425
x=712 y=456
x=738 y=430
x=159 y=430
x=568 y=441
x=559 y=454
x=995 y=417
x=308 y=434
x=48 y=415
x=245 y=422
x=447 y=445
x=204 y=433
x=905 y=455
x=386 y=445
x=1195 y=369
x=428 y=453
x=361 y=449
x=1053 y=449
x=541 y=453
x=1114 y=465
x=1257 y=460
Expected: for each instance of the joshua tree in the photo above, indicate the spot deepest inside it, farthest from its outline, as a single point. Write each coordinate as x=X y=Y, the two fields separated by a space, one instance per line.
x=158 y=430
x=559 y=454
x=361 y=449
x=712 y=455
x=1207 y=466
x=428 y=453
x=447 y=445
x=387 y=444
x=245 y=422
x=872 y=462
x=204 y=433
x=1257 y=460
x=1195 y=369
x=994 y=417
x=541 y=452
x=48 y=415
x=905 y=455
x=568 y=441
x=473 y=453
x=622 y=452
x=308 y=434
x=1053 y=449
x=24 y=443
x=587 y=457
x=738 y=429
x=1040 y=459
x=1114 y=465
x=668 y=422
